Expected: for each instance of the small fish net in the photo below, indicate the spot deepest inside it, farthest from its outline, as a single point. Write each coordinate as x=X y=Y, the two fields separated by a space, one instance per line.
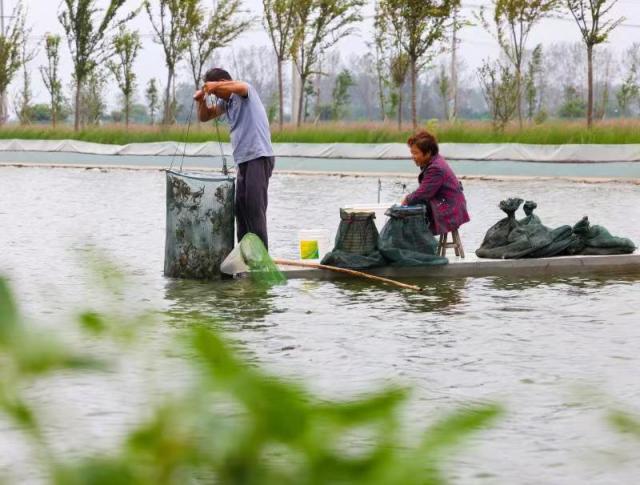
x=256 y=257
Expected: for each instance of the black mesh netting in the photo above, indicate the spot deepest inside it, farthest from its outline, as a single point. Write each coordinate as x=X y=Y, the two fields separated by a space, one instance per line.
x=356 y=244
x=596 y=240
x=406 y=240
x=529 y=238
x=200 y=224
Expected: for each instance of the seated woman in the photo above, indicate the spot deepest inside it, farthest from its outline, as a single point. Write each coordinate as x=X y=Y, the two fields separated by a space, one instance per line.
x=439 y=188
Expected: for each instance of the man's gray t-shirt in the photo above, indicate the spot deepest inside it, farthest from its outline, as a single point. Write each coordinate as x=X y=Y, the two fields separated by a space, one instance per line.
x=250 y=134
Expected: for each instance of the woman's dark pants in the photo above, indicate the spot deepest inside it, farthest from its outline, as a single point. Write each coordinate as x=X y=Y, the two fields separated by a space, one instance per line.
x=252 y=185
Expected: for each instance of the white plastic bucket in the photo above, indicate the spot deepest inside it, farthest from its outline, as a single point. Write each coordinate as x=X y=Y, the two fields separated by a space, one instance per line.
x=313 y=244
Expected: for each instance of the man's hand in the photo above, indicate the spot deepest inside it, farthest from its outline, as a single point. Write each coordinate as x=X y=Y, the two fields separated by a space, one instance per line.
x=199 y=95
x=404 y=201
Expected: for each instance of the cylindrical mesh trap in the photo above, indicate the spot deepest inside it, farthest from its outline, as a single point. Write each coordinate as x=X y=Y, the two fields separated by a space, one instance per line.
x=200 y=224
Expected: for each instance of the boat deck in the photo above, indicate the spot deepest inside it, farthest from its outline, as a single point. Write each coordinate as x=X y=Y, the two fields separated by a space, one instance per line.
x=474 y=267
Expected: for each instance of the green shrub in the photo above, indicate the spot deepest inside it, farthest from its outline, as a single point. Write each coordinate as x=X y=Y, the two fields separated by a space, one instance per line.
x=235 y=425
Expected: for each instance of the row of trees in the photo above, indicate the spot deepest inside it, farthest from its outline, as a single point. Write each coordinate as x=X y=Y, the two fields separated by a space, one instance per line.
x=99 y=37
x=408 y=36
x=511 y=23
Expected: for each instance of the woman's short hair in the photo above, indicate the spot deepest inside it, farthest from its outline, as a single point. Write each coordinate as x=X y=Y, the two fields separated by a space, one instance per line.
x=216 y=74
x=425 y=141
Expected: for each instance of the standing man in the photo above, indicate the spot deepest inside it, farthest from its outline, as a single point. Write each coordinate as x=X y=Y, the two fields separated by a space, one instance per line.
x=251 y=142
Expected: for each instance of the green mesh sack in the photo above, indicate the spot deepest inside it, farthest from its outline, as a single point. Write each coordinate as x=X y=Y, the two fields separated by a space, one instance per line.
x=356 y=245
x=405 y=240
x=200 y=224
x=529 y=206
x=527 y=238
x=561 y=238
x=497 y=237
x=596 y=240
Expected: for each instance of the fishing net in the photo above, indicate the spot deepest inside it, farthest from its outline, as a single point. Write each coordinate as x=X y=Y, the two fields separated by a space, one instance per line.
x=596 y=240
x=406 y=240
x=200 y=224
x=527 y=238
x=356 y=244
x=262 y=269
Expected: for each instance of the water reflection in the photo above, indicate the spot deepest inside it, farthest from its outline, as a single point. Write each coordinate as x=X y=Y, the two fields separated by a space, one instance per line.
x=235 y=302
x=582 y=281
x=437 y=295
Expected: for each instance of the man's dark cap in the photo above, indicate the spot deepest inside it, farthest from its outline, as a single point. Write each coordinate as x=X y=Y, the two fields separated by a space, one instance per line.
x=217 y=74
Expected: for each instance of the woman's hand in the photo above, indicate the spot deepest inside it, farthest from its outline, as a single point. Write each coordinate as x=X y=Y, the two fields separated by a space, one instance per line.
x=199 y=95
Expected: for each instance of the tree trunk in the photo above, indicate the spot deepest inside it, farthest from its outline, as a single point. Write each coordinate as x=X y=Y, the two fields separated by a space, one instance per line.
x=414 y=80
x=383 y=113
x=445 y=105
x=280 y=95
x=454 y=64
x=519 y=94
x=590 y=85
x=54 y=113
x=76 y=120
x=400 y=108
x=126 y=113
x=167 y=96
x=317 y=106
x=303 y=81
x=4 y=108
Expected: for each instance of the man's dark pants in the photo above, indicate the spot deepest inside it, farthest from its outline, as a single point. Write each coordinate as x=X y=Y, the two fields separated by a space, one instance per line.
x=252 y=185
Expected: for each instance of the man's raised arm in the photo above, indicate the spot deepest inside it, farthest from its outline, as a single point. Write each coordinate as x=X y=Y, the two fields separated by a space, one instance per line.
x=206 y=113
x=224 y=89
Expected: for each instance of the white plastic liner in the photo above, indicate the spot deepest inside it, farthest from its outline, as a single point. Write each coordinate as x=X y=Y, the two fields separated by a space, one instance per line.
x=386 y=151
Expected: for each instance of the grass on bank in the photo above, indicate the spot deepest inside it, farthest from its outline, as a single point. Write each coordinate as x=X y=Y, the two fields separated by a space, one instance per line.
x=549 y=133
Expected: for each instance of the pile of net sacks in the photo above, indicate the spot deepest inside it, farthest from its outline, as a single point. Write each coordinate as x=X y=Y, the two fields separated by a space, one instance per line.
x=405 y=240
x=510 y=238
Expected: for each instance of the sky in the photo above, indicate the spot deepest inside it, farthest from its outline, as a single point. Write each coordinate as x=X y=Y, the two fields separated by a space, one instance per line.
x=476 y=44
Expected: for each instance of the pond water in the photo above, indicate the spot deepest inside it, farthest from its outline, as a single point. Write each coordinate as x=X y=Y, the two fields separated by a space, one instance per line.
x=556 y=352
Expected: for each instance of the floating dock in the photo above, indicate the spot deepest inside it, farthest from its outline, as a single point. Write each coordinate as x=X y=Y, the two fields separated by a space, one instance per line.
x=479 y=268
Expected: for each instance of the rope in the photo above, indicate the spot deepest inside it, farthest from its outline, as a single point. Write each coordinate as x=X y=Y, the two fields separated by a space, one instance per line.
x=187 y=137
x=225 y=169
x=173 y=157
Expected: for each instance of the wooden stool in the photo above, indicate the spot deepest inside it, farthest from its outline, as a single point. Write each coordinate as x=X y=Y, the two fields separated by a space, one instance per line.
x=456 y=244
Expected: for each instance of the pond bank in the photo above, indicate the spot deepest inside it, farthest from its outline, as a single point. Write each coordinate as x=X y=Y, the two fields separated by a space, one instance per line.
x=628 y=172
x=569 y=153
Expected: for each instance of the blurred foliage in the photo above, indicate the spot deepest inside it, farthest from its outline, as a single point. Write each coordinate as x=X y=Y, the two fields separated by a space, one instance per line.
x=235 y=424
x=625 y=422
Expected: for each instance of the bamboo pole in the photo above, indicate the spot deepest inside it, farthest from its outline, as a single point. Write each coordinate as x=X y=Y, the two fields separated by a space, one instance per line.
x=303 y=264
